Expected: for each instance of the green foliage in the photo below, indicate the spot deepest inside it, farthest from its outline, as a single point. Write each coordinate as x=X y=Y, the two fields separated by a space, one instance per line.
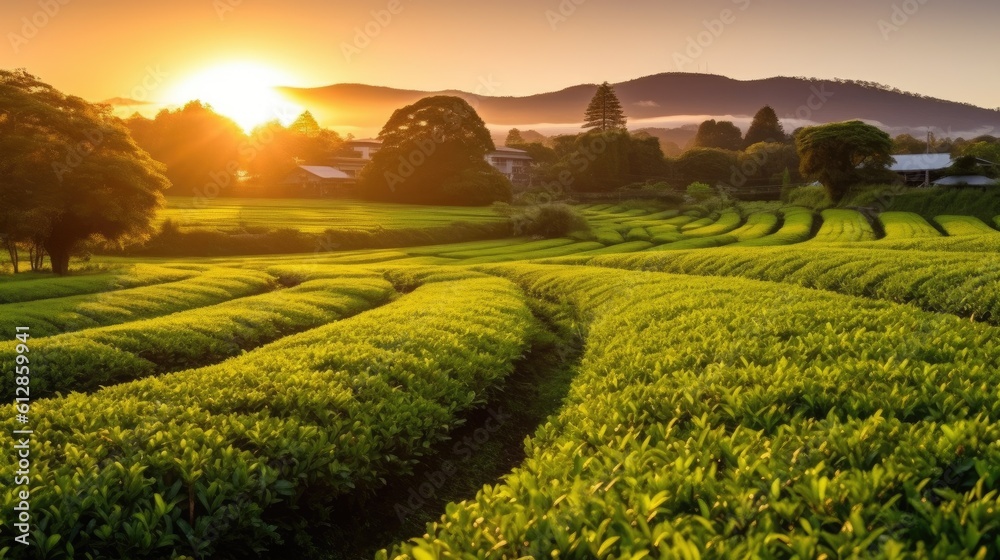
x=844 y=225
x=593 y=161
x=765 y=128
x=964 y=225
x=989 y=151
x=937 y=201
x=723 y=135
x=749 y=401
x=70 y=172
x=907 y=144
x=765 y=163
x=432 y=153
x=272 y=152
x=728 y=221
x=17 y=290
x=88 y=359
x=604 y=112
x=706 y=165
x=232 y=460
x=958 y=283
x=48 y=317
x=969 y=165
x=842 y=155
x=777 y=418
x=700 y=190
x=514 y=138
x=796 y=227
x=812 y=197
x=549 y=220
x=199 y=148
x=637 y=234
x=906 y=225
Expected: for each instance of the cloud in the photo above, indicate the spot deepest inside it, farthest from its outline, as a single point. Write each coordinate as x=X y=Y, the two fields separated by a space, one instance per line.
x=646 y=104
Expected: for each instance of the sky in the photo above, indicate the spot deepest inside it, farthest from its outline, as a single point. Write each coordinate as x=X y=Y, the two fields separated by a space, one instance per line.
x=155 y=51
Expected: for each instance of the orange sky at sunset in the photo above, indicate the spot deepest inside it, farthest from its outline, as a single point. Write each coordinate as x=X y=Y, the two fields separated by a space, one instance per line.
x=159 y=51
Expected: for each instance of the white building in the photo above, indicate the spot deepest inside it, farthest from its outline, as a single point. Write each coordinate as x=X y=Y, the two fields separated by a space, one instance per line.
x=916 y=169
x=513 y=163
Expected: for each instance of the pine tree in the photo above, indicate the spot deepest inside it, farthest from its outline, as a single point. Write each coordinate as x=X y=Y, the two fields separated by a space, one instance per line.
x=765 y=128
x=605 y=111
x=305 y=124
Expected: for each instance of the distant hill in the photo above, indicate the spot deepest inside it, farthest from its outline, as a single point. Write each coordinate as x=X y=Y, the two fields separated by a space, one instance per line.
x=670 y=100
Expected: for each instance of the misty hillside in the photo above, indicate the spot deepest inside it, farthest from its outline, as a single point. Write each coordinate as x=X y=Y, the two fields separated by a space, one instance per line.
x=662 y=96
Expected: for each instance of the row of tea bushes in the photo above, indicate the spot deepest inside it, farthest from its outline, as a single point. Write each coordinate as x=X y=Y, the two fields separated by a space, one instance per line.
x=87 y=360
x=235 y=459
x=734 y=418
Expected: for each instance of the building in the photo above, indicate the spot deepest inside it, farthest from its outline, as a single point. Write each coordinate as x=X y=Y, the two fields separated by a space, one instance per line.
x=921 y=169
x=916 y=169
x=319 y=180
x=366 y=147
x=966 y=181
x=513 y=163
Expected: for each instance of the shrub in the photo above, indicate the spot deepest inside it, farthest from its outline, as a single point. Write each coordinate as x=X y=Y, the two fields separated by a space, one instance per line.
x=813 y=197
x=549 y=220
x=699 y=190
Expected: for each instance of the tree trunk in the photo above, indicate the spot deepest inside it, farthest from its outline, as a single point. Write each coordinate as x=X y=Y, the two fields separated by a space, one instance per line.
x=12 y=251
x=59 y=256
x=39 y=263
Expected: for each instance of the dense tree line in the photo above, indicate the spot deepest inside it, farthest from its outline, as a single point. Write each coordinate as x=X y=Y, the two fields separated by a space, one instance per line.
x=208 y=155
x=608 y=157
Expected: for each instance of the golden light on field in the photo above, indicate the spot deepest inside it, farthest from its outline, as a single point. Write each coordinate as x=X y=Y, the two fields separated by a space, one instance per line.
x=242 y=91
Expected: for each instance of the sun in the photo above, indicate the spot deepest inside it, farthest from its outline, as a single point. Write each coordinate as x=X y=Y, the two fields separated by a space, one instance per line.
x=243 y=91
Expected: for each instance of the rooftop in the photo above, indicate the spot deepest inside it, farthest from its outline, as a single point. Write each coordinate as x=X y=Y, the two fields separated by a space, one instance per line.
x=324 y=171
x=970 y=180
x=920 y=162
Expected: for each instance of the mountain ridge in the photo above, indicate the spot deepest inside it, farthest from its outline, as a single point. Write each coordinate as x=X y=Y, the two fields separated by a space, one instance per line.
x=675 y=97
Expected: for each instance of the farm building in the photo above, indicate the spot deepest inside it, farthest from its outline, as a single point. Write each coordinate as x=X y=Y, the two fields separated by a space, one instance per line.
x=513 y=163
x=319 y=180
x=965 y=181
x=921 y=169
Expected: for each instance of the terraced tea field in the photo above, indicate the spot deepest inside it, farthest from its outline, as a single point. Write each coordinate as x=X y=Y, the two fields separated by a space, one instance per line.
x=314 y=215
x=673 y=384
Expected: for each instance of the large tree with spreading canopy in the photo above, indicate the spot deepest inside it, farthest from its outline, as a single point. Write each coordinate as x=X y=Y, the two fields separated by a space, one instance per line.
x=69 y=172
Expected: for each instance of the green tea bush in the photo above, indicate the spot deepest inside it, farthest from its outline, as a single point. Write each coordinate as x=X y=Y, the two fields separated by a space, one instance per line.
x=749 y=420
x=233 y=460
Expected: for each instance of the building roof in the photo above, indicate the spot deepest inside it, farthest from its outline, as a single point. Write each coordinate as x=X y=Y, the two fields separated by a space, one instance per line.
x=971 y=180
x=370 y=141
x=509 y=152
x=324 y=172
x=920 y=162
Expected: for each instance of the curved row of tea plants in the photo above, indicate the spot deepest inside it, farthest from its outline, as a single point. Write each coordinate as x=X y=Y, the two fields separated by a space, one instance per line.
x=735 y=418
x=234 y=459
x=906 y=225
x=796 y=227
x=962 y=284
x=86 y=360
x=58 y=315
x=844 y=225
x=21 y=288
x=964 y=225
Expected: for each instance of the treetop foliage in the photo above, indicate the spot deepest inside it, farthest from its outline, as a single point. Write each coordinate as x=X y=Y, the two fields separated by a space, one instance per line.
x=604 y=111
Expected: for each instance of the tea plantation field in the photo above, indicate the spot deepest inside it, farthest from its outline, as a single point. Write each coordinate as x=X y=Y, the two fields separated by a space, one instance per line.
x=673 y=384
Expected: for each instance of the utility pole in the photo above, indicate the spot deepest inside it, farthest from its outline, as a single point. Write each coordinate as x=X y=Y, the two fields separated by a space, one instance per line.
x=927 y=172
